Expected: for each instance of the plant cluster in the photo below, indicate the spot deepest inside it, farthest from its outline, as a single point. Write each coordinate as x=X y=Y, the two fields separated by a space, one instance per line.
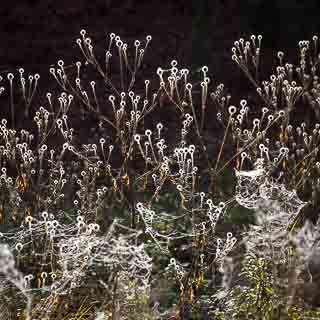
x=101 y=200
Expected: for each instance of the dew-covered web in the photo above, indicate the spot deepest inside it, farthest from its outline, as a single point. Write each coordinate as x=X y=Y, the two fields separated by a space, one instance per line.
x=77 y=251
x=276 y=208
x=11 y=277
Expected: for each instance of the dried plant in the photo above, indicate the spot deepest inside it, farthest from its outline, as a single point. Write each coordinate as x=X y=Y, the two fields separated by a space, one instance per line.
x=90 y=215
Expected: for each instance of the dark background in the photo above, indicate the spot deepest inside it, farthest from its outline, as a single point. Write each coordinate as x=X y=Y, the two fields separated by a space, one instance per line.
x=35 y=34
